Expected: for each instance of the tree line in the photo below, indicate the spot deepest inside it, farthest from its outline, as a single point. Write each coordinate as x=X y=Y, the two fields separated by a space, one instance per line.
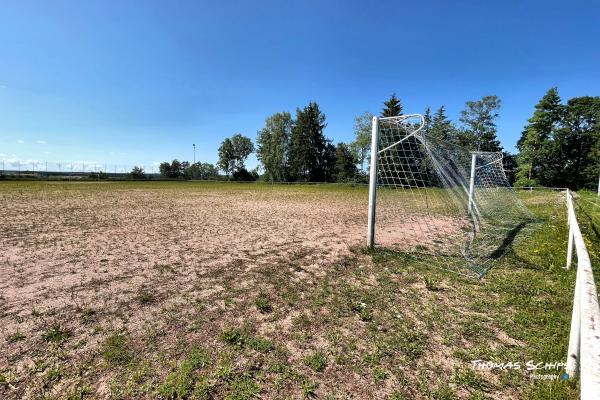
x=296 y=149
x=559 y=146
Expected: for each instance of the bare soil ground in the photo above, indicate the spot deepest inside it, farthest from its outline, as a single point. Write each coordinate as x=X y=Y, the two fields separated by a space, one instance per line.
x=102 y=244
x=187 y=290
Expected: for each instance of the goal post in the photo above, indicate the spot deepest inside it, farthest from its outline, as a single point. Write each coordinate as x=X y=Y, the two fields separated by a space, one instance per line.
x=373 y=182
x=472 y=183
x=442 y=203
x=374 y=158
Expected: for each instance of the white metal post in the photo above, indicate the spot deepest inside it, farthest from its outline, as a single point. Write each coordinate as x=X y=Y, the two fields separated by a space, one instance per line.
x=573 y=352
x=373 y=182
x=571 y=237
x=472 y=183
x=598 y=184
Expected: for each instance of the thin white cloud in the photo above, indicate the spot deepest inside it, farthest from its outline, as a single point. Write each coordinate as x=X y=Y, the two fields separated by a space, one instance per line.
x=85 y=162
x=47 y=152
x=40 y=141
x=23 y=164
x=20 y=141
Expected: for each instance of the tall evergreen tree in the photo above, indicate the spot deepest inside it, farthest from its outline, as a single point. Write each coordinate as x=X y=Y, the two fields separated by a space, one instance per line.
x=441 y=127
x=578 y=141
x=329 y=162
x=345 y=164
x=479 y=124
x=560 y=145
x=273 y=146
x=427 y=121
x=393 y=107
x=308 y=145
x=534 y=143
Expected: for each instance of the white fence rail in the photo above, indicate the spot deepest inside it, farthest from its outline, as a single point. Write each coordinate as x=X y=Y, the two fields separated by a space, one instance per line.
x=584 y=339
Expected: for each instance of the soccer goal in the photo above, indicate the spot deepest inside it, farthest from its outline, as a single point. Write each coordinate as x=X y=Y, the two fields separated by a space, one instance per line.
x=439 y=202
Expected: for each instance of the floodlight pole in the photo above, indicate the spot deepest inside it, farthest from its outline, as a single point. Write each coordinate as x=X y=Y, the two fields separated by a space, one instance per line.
x=373 y=183
x=194 y=152
x=472 y=183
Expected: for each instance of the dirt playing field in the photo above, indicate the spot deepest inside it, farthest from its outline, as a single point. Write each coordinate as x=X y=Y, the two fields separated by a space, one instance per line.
x=237 y=291
x=104 y=244
x=80 y=248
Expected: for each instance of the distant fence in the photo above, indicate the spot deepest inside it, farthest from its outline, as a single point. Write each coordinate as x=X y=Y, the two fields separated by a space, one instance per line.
x=584 y=339
x=532 y=188
x=16 y=167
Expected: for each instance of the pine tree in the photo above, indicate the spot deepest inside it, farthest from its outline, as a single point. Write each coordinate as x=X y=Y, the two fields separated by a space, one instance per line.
x=534 y=143
x=345 y=164
x=577 y=141
x=308 y=145
x=393 y=107
x=329 y=162
x=427 y=121
x=441 y=127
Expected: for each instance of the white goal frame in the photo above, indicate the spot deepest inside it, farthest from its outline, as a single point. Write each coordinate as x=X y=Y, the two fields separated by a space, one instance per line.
x=373 y=168
x=472 y=207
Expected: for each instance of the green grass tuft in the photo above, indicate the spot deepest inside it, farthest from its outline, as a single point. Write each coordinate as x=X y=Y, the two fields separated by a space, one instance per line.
x=316 y=361
x=115 y=349
x=180 y=383
x=263 y=303
x=56 y=334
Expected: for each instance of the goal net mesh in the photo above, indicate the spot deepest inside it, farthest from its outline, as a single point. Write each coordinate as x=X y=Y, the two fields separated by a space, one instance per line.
x=426 y=207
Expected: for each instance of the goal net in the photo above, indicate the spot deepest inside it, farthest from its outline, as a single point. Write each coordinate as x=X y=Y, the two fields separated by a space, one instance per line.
x=438 y=202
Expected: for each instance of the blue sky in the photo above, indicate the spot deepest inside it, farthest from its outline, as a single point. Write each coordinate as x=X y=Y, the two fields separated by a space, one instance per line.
x=136 y=82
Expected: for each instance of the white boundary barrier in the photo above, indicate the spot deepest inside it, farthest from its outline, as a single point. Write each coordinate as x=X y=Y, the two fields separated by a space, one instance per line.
x=584 y=338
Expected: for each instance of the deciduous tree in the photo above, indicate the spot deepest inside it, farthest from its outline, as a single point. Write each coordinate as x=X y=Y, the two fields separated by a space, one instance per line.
x=273 y=146
x=361 y=146
x=479 y=124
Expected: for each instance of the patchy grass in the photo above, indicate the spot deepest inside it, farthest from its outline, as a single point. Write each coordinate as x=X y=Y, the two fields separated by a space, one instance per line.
x=180 y=383
x=384 y=324
x=316 y=361
x=56 y=334
x=16 y=337
x=431 y=283
x=263 y=303
x=116 y=349
x=242 y=338
x=145 y=296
